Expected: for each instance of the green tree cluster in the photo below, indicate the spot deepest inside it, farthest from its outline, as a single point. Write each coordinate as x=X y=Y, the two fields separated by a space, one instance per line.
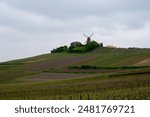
x=60 y=49
x=92 y=45
x=78 y=48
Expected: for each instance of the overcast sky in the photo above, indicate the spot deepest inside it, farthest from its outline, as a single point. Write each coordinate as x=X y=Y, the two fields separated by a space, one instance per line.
x=32 y=27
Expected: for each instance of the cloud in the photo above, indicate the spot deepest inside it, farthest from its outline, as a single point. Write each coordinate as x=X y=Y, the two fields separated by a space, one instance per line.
x=70 y=9
x=32 y=27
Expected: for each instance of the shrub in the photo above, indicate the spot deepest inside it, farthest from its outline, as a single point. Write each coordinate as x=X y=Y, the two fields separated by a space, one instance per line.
x=77 y=49
x=109 y=68
x=86 y=66
x=92 y=45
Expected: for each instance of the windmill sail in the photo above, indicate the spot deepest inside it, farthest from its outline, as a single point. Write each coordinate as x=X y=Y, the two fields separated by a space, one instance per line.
x=88 y=38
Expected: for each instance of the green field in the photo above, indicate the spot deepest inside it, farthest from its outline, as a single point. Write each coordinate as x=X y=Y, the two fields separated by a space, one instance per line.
x=120 y=74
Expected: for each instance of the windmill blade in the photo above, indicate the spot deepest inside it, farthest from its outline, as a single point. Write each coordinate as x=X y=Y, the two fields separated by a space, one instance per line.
x=85 y=35
x=91 y=35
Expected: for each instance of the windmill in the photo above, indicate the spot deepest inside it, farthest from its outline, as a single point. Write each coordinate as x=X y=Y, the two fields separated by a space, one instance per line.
x=88 y=38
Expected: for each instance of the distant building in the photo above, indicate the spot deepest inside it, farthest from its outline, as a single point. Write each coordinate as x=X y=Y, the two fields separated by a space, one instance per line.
x=111 y=46
x=74 y=44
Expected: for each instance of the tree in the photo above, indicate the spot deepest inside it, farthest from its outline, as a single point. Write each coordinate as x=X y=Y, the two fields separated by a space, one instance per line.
x=60 y=49
x=92 y=45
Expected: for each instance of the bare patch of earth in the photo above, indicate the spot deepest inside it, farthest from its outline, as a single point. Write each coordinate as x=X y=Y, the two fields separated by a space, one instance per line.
x=54 y=64
x=144 y=62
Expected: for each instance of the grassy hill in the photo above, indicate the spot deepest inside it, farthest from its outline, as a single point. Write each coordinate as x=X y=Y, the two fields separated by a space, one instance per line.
x=48 y=76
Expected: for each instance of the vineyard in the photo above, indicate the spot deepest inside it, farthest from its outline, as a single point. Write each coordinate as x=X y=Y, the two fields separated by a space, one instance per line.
x=120 y=74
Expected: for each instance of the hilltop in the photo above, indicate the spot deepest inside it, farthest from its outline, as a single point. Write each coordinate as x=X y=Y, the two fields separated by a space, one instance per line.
x=49 y=76
x=100 y=57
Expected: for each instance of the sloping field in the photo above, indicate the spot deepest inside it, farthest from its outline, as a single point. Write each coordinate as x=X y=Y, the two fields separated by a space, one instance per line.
x=118 y=57
x=54 y=76
x=99 y=57
x=48 y=76
x=112 y=86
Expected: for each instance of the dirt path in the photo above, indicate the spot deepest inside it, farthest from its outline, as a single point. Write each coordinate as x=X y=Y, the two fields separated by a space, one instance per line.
x=144 y=62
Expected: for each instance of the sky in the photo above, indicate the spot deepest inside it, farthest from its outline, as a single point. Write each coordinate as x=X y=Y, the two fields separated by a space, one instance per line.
x=33 y=27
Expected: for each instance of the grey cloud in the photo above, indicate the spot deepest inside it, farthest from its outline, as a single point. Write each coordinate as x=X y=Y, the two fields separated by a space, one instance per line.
x=70 y=8
x=45 y=24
